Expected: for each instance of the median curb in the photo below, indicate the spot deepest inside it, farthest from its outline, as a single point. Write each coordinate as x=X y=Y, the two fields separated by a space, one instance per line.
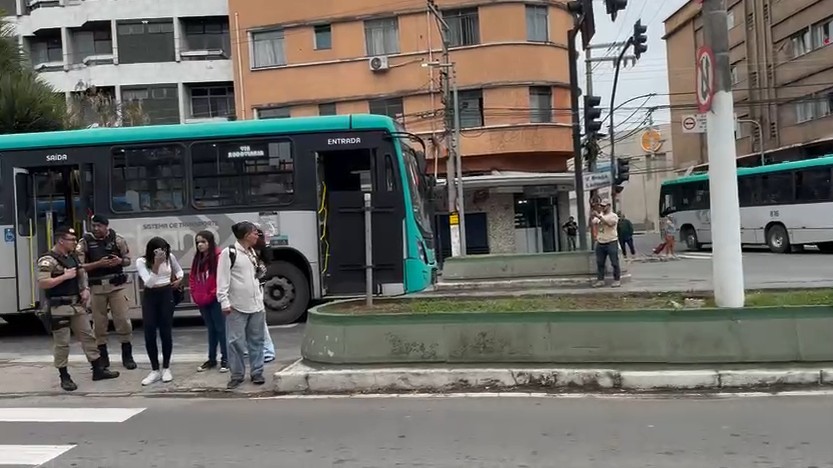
x=300 y=378
x=523 y=283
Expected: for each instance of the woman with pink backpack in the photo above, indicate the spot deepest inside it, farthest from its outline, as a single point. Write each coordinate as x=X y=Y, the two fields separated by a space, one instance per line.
x=203 y=284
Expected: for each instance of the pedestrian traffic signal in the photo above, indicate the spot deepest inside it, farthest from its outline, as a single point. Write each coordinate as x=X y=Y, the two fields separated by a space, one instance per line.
x=614 y=6
x=592 y=113
x=639 y=39
x=623 y=171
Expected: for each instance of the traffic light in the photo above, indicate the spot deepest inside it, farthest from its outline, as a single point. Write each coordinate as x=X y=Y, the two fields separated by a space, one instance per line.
x=623 y=171
x=613 y=7
x=582 y=11
x=640 y=40
x=592 y=113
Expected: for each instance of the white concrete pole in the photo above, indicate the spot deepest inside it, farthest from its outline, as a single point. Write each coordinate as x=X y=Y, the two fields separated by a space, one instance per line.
x=727 y=262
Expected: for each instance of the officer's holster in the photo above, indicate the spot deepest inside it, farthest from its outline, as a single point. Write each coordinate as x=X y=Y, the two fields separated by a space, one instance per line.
x=51 y=322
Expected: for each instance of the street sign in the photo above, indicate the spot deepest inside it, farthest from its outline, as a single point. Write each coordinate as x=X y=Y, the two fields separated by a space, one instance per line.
x=704 y=81
x=651 y=140
x=597 y=180
x=694 y=123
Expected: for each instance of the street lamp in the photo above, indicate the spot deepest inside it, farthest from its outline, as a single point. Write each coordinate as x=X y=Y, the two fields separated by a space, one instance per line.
x=458 y=161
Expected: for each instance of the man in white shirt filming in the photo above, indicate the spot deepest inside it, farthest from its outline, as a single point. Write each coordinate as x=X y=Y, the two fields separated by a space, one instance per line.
x=607 y=243
x=241 y=297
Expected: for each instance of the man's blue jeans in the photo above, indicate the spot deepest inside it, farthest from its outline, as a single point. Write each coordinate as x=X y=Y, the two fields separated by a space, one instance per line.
x=603 y=251
x=245 y=332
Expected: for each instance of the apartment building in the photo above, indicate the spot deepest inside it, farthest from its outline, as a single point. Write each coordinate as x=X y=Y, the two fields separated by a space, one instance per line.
x=511 y=66
x=782 y=69
x=169 y=60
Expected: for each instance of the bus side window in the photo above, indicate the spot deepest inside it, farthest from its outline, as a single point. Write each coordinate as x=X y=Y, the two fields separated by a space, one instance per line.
x=148 y=178
x=390 y=174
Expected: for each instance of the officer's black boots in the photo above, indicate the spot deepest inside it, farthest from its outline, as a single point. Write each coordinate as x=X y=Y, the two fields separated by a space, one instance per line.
x=102 y=373
x=105 y=356
x=127 y=356
x=66 y=381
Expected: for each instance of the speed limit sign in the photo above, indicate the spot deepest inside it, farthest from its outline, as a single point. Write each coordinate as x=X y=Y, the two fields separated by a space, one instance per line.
x=705 y=79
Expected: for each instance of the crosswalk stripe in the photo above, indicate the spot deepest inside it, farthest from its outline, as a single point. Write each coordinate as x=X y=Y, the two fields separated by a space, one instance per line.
x=74 y=415
x=31 y=455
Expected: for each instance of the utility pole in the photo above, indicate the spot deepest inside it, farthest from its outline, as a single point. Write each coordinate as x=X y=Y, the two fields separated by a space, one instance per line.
x=453 y=175
x=727 y=262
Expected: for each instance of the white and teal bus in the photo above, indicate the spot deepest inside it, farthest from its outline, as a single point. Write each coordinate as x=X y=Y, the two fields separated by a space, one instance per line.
x=302 y=179
x=782 y=205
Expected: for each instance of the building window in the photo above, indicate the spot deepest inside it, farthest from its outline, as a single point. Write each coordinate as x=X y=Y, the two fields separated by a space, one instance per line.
x=267 y=49
x=273 y=113
x=800 y=42
x=242 y=173
x=157 y=104
x=382 y=36
x=814 y=106
x=471 y=108
x=805 y=110
x=323 y=37
x=730 y=19
x=464 y=25
x=212 y=101
x=147 y=178
x=208 y=35
x=391 y=107
x=821 y=33
x=47 y=51
x=540 y=104
x=327 y=108
x=537 y=23
x=733 y=72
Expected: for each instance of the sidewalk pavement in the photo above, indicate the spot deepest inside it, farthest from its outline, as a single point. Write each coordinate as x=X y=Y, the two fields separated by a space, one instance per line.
x=309 y=378
x=36 y=376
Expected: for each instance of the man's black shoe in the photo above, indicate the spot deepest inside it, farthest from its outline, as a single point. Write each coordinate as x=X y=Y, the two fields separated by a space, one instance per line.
x=66 y=381
x=258 y=379
x=234 y=383
x=102 y=373
x=127 y=356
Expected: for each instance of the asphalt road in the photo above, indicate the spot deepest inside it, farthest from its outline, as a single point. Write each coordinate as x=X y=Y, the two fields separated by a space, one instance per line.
x=500 y=432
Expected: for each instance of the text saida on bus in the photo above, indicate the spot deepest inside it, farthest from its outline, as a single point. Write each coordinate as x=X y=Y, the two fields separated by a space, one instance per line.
x=299 y=178
x=782 y=205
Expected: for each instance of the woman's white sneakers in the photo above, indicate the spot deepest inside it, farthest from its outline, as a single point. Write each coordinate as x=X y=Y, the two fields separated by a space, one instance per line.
x=156 y=376
x=153 y=377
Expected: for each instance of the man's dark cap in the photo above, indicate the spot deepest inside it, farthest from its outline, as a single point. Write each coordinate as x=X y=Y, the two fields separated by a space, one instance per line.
x=99 y=219
x=64 y=231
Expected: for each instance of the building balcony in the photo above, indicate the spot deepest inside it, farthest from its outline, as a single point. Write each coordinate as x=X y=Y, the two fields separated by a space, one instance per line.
x=201 y=71
x=75 y=13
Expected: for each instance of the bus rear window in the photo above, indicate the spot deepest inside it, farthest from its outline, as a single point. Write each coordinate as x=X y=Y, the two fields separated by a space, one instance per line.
x=242 y=173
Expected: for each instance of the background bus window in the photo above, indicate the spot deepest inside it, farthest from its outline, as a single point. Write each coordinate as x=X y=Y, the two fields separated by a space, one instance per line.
x=148 y=178
x=241 y=173
x=812 y=185
x=778 y=188
x=748 y=191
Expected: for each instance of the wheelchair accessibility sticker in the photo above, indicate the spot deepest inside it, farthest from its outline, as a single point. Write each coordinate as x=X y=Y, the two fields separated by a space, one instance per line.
x=8 y=233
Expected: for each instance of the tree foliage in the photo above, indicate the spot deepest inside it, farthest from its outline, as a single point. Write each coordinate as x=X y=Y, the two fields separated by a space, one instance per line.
x=93 y=106
x=27 y=103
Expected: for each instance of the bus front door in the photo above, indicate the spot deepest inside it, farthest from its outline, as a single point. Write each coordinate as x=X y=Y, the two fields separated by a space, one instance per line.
x=344 y=176
x=45 y=199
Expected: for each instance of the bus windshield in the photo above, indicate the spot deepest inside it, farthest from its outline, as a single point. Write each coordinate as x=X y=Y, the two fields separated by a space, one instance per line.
x=418 y=185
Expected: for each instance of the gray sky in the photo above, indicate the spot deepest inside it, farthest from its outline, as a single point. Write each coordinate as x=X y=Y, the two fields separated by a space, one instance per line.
x=650 y=73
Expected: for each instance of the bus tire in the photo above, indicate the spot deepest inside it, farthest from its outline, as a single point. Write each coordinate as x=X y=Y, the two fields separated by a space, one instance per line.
x=690 y=238
x=286 y=293
x=778 y=239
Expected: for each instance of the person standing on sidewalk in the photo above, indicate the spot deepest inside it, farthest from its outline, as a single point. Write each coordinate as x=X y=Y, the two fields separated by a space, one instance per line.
x=160 y=273
x=625 y=232
x=64 y=282
x=262 y=268
x=104 y=255
x=571 y=229
x=241 y=298
x=202 y=282
x=607 y=243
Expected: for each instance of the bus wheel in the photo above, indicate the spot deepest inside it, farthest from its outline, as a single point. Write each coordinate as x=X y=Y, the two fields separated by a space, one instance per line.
x=691 y=241
x=778 y=239
x=285 y=293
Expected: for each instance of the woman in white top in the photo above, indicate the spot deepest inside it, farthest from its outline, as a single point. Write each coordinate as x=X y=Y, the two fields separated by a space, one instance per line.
x=160 y=273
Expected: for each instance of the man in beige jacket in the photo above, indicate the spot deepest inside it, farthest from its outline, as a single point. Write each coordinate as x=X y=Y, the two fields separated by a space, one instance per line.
x=607 y=243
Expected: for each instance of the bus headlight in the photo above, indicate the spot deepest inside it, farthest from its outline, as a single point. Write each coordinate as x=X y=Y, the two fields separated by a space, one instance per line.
x=422 y=255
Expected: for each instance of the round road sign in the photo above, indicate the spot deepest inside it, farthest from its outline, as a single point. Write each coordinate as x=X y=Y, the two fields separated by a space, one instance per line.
x=651 y=141
x=705 y=78
x=689 y=123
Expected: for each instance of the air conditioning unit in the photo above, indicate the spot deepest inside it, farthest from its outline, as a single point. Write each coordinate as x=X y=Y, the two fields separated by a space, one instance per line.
x=378 y=63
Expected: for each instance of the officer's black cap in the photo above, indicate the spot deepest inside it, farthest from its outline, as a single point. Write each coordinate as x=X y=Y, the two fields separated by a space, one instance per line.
x=98 y=219
x=65 y=231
